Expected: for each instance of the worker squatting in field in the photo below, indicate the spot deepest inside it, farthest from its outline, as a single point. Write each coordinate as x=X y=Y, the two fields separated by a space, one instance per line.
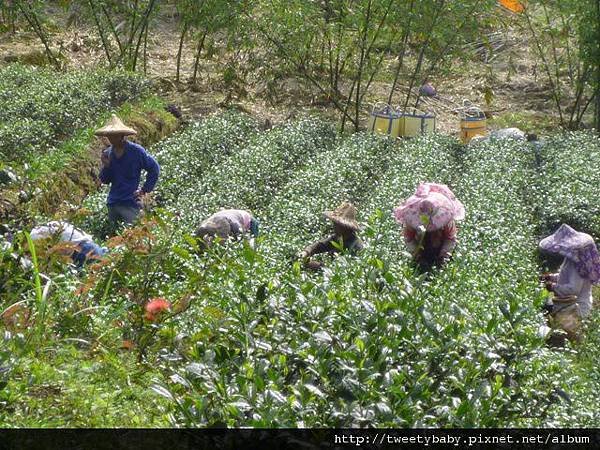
x=572 y=285
x=344 y=237
x=429 y=219
x=227 y=223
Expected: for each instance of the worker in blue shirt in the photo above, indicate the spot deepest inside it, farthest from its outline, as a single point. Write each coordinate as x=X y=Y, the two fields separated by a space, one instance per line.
x=122 y=165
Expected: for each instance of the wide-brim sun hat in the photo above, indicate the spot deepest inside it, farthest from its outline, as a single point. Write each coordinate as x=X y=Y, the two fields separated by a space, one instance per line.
x=115 y=126
x=344 y=215
x=215 y=226
x=577 y=247
x=433 y=206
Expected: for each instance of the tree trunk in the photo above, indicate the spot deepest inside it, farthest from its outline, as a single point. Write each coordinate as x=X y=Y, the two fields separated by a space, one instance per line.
x=145 y=22
x=361 y=63
x=132 y=29
x=108 y=15
x=417 y=70
x=146 y=51
x=105 y=43
x=402 y=53
x=553 y=88
x=197 y=58
x=37 y=27
x=180 y=50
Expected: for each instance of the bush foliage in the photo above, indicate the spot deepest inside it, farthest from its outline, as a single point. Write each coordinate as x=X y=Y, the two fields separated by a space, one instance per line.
x=40 y=109
x=250 y=339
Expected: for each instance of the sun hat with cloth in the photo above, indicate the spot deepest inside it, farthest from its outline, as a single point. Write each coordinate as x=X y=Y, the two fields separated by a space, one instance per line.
x=344 y=215
x=577 y=247
x=115 y=126
x=433 y=205
x=214 y=226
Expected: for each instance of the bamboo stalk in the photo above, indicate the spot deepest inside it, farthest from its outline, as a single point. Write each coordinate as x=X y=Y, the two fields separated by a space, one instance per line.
x=37 y=28
x=361 y=63
x=300 y=67
x=546 y=66
x=402 y=53
x=197 y=58
x=422 y=53
x=145 y=22
x=108 y=15
x=597 y=93
x=105 y=44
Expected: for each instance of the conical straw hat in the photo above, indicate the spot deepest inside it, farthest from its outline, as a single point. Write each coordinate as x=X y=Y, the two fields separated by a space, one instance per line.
x=115 y=126
x=345 y=215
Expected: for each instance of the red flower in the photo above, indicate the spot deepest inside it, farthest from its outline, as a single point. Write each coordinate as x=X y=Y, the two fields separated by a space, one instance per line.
x=127 y=345
x=155 y=307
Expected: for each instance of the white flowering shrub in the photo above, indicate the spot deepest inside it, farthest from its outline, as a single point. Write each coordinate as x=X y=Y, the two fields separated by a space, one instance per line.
x=295 y=214
x=252 y=176
x=190 y=155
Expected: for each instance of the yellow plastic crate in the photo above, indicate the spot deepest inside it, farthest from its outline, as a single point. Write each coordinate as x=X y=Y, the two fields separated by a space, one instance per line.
x=385 y=120
x=414 y=124
x=469 y=128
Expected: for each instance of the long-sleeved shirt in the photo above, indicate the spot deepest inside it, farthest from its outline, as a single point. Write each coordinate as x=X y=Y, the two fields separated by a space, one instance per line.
x=68 y=233
x=352 y=244
x=240 y=221
x=570 y=283
x=86 y=247
x=124 y=174
x=436 y=244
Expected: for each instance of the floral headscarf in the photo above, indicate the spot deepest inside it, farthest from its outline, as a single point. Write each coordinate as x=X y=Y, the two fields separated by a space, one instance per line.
x=435 y=203
x=577 y=247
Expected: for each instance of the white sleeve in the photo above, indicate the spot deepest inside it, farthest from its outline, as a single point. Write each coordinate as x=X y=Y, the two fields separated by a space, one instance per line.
x=570 y=282
x=42 y=232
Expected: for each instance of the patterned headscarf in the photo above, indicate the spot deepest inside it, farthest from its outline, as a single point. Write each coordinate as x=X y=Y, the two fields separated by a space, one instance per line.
x=433 y=205
x=577 y=247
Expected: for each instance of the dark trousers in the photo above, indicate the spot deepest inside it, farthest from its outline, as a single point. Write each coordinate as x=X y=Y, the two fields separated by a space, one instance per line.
x=123 y=213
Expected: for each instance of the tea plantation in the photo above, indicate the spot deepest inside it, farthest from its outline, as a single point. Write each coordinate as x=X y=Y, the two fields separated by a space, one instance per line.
x=41 y=109
x=254 y=340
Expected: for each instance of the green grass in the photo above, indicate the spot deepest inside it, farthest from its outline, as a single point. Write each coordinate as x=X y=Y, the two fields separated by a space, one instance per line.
x=68 y=387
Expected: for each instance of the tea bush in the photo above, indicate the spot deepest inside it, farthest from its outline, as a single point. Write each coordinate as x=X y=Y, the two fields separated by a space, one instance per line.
x=566 y=183
x=189 y=155
x=253 y=340
x=249 y=178
x=373 y=342
x=295 y=214
x=485 y=298
x=39 y=108
x=430 y=158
